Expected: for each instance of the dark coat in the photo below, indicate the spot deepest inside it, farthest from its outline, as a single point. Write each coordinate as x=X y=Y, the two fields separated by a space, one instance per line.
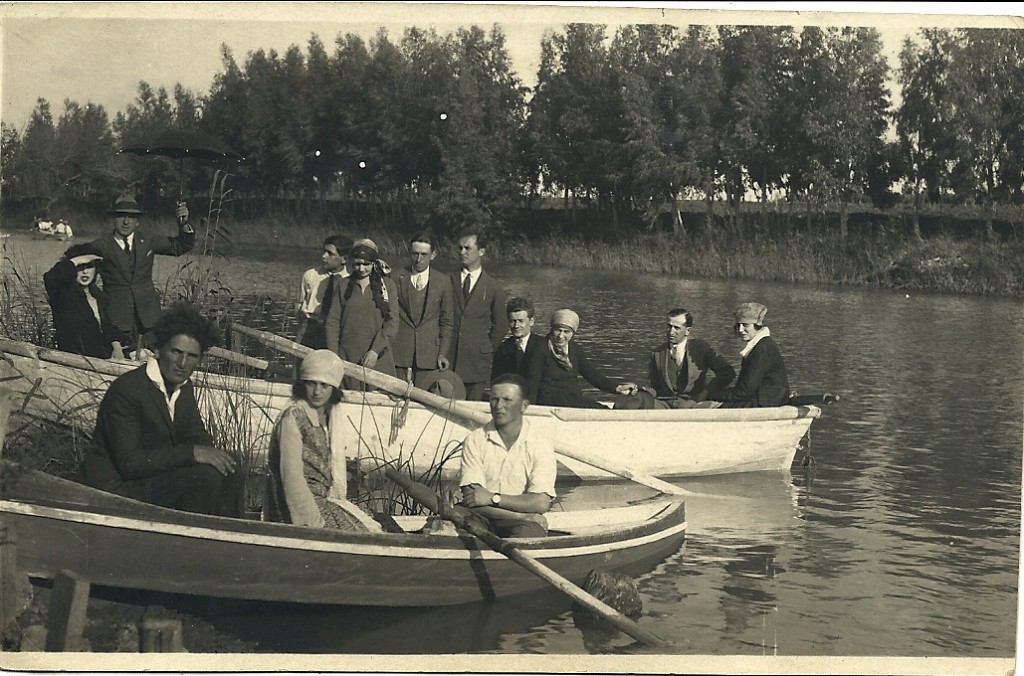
x=135 y=437
x=548 y=384
x=508 y=358
x=128 y=278
x=74 y=324
x=762 y=380
x=480 y=326
x=424 y=337
x=690 y=379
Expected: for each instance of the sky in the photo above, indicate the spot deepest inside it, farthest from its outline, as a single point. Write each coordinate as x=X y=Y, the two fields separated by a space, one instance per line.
x=99 y=52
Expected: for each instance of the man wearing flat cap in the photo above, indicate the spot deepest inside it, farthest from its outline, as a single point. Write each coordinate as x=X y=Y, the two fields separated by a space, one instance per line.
x=127 y=265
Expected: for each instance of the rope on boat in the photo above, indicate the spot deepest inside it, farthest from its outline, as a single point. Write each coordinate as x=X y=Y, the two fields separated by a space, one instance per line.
x=399 y=413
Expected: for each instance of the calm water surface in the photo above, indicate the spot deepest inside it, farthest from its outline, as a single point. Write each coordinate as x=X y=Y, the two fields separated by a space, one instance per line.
x=901 y=540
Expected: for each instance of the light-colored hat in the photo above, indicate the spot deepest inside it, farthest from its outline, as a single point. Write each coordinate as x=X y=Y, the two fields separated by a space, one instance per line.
x=751 y=313
x=445 y=383
x=566 y=318
x=322 y=366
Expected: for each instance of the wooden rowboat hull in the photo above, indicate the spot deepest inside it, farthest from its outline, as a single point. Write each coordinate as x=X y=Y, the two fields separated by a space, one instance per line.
x=673 y=443
x=115 y=541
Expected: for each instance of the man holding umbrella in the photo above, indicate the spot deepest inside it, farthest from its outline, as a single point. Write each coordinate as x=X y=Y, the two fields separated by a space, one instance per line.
x=127 y=265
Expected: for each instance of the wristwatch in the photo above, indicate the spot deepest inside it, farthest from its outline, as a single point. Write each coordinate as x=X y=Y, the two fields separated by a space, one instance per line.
x=496 y=498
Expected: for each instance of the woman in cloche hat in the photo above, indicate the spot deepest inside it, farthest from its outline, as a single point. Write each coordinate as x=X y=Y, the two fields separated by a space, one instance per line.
x=307 y=484
x=553 y=373
x=762 y=380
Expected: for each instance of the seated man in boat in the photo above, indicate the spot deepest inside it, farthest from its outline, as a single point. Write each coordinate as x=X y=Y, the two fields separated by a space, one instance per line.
x=508 y=468
x=762 y=380
x=150 y=442
x=678 y=370
x=514 y=353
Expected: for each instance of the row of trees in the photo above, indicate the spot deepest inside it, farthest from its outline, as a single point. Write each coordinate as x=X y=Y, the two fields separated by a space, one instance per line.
x=630 y=123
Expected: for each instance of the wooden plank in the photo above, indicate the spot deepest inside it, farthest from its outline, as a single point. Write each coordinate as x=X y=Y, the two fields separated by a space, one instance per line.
x=9 y=580
x=161 y=635
x=66 y=618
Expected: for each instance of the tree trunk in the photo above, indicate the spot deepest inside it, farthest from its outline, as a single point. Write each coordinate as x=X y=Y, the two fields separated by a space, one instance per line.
x=844 y=214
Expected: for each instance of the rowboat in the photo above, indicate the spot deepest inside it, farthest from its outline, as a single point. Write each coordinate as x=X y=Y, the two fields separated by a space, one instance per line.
x=119 y=542
x=240 y=413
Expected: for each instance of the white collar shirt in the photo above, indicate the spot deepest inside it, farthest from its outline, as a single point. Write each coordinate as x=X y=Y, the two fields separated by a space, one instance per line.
x=153 y=371
x=679 y=351
x=527 y=466
x=125 y=242
x=474 y=276
x=419 y=279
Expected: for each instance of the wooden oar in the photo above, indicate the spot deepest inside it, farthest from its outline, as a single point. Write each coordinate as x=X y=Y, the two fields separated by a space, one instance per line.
x=246 y=360
x=453 y=407
x=429 y=499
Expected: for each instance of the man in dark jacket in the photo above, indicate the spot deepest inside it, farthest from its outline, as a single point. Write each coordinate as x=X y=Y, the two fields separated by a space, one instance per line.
x=480 y=321
x=127 y=265
x=678 y=370
x=426 y=304
x=150 y=442
x=513 y=354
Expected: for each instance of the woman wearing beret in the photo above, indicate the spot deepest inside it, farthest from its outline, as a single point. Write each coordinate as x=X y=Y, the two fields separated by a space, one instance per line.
x=762 y=380
x=80 y=319
x=307 y=484
x=553 y=372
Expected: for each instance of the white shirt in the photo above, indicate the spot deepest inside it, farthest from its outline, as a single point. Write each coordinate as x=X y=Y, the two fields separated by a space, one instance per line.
x=419 y=279
x=678 y=351
x=153 y=371
x=474 y=275
x=528 y=466
x=521 y=342
x=130 y=239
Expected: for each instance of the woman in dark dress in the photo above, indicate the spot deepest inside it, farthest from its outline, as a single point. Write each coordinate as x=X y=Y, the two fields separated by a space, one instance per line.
x=762 y=380
x=553 y=372
x=80 y=320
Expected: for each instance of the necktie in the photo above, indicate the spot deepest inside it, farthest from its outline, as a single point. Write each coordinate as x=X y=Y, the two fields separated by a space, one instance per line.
x=522 y=344
x=419 y=281
x=127 y=247
x=465 y=286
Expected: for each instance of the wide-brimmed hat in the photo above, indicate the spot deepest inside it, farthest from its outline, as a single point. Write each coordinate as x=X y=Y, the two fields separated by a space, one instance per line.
x=751 y=313
x=322 y=366
x=82 y=254
x=445 y=383
x=126 y=204
x=566 y=318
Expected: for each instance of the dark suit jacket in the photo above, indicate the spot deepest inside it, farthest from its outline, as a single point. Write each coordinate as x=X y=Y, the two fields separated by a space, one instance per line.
x=424 y=337
x=75 y=326
x=548 y=384
x=690 y=379
x=508 y=358
x=762 y=380
x=480 y=326
x=135 y=438
x=128 y=278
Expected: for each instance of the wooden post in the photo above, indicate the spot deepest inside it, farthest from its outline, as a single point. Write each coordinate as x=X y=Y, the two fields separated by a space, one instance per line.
x=6 y=402
x=161 y=635
x=66 y=618
x=8 y=573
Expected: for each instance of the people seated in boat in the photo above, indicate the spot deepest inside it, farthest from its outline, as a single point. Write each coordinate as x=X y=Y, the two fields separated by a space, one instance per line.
x=508 y=466
x=762 y=380
x=553 y=372
x=127 y=266
x=679 y=370
x=314 y=288
x=512 y=355
x=361 y=322
x=150 y=441
x=81 y=320
x=307 y=484
x=63 y=228
x=45 y=226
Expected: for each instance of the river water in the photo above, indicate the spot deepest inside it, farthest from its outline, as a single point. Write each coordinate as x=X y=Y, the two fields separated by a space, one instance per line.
x=902 y=538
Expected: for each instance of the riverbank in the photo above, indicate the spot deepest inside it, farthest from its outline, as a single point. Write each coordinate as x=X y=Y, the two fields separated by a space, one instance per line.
x=883 y=257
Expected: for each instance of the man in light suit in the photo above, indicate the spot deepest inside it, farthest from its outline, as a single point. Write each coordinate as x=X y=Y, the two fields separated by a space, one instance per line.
x=480 y=321
x=513 y=354
x=678 y=370
x=127 y=265
x=426 y=304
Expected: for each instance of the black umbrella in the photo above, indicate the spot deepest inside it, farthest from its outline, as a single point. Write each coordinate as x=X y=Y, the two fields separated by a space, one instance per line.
x=181 y=143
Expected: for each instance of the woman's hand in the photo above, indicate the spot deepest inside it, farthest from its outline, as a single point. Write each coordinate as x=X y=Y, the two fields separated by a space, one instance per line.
x=369 y=359
x=627 y=389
